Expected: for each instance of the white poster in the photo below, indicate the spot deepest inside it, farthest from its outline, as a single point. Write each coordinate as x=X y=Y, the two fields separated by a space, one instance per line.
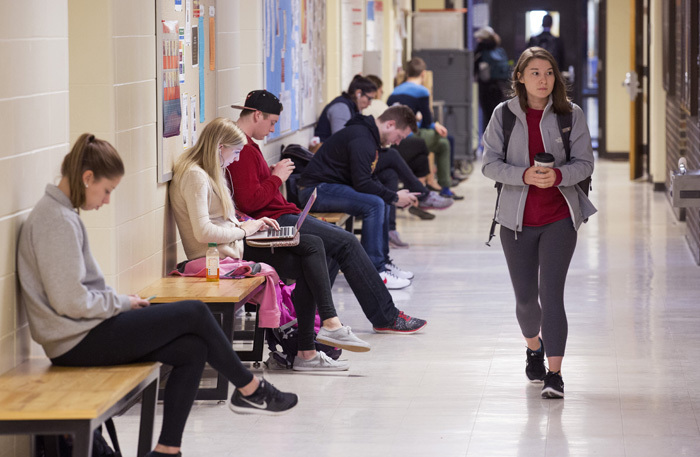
x=352 y=21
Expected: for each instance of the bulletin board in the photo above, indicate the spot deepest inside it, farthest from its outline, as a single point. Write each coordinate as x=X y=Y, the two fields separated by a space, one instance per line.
x=294 y=60
x=186 y=76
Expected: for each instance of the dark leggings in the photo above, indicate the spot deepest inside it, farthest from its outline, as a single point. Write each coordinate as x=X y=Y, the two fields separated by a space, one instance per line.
x=392 y=168
x=306 y=263
x=182 y=334
x=538 y=261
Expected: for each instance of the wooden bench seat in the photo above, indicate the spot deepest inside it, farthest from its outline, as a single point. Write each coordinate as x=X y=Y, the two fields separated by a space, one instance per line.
x=223 y=299
x=340 y=219
x=39 y=398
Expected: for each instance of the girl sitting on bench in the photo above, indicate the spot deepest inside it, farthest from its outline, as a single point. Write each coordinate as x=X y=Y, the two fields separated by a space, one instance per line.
x=81 y=321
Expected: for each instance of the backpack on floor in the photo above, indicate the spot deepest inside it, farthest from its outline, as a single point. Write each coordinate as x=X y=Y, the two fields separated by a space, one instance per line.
x=64 y=443
x=508 y=120
x=282 y=341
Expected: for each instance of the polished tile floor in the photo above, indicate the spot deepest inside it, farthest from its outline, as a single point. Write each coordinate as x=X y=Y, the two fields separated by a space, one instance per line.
x=632 y=369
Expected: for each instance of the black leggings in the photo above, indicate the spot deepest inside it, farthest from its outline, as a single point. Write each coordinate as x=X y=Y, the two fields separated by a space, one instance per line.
x=538 y=261
x=306 y=263
x=182 y=334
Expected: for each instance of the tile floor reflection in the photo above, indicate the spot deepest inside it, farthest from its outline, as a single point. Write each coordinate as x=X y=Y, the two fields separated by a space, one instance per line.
x=631 y=370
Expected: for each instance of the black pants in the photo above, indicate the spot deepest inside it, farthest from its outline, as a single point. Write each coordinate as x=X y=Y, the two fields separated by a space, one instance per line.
x=182 y=334
x=392 y=168
x=538 y=261
x=305 y=263
x=415 y=152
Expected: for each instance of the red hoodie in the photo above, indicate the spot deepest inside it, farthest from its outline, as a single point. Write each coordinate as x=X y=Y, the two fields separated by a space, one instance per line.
x=255 y=190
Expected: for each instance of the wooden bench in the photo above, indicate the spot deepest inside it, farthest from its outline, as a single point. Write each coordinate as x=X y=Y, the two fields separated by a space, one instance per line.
x=340 y=219
x=223 y=299
x=39 y=398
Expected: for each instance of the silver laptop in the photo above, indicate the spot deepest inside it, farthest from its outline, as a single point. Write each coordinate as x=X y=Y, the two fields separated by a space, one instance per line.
x=288 y=231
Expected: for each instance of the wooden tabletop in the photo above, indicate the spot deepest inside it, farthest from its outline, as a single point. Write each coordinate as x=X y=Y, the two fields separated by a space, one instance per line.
x=333 y=218
x=36 y=390
x=176 y=288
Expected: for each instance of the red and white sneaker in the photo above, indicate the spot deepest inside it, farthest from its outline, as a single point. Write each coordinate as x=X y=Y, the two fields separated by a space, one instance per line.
x=403 y=324
x=393 y=282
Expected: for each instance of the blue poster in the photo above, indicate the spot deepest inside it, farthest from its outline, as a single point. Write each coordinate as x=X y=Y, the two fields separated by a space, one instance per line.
x=282 y=47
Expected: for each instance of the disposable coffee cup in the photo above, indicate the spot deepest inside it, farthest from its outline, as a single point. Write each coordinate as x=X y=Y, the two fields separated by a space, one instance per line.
x=544 y=159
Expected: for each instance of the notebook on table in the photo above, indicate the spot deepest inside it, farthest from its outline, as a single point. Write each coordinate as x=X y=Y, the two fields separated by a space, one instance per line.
x=287 y=232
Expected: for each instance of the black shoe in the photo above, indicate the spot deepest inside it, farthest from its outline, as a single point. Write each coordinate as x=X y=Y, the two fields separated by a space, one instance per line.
x=403 y=324
x=553 y=385
x=423 y=214
x=436 y=189
x=265 y=400
x=162 y=454
x=534 y=368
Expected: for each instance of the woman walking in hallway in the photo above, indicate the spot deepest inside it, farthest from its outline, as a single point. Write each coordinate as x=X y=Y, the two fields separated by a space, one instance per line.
x=540 y=208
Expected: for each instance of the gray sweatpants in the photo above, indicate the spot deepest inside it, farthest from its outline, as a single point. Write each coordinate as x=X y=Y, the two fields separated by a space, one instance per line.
x=538 y=261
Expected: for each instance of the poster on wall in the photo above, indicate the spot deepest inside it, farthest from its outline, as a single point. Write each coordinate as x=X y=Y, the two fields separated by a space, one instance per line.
x=172 y=115
x=282 y=40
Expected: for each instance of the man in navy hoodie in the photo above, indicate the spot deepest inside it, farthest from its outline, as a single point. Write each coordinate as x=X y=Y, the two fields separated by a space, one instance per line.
x=342 y=171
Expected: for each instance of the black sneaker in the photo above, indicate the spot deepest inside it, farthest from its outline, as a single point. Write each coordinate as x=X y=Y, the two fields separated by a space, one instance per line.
x=265 y=400
x=421 y=213
x=553 y=385
x=534 y=366
x=403 y=324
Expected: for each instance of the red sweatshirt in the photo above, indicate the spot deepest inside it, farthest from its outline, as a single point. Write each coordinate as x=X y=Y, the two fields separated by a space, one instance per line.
x=255 y=189
x=543 y=206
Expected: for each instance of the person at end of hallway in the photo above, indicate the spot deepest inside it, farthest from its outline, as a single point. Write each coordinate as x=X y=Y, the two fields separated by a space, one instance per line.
x=549 y=42
x=256 y=192
x=81 y=321
x=343 y=171
x=492 y=72
x=540 y=209
x=205 y=213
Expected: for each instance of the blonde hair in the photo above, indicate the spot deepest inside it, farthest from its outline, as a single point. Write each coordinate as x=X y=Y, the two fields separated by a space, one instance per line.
x=205 y=154
x=89 y=153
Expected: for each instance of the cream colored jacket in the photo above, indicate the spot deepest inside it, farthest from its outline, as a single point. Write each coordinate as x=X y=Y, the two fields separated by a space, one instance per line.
x=199 y=215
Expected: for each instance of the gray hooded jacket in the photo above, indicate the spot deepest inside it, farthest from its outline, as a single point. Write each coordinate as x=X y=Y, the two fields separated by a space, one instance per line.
x=511 y=205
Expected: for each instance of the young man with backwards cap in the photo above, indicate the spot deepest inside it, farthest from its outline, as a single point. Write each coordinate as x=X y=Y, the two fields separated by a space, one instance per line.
x=256 y=192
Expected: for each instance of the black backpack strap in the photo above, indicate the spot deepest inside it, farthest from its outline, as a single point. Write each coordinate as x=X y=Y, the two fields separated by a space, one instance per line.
x=112 y=431
x=508 y=122
x=565 y=122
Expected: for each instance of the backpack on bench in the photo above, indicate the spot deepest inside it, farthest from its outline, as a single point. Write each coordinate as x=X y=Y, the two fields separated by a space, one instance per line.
x=565 y=122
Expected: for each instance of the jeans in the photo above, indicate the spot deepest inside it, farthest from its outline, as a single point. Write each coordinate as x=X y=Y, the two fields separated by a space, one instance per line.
x=306 y=263
x=441 y=148
x=182 y=334
x=344 y=250
x=372 y=209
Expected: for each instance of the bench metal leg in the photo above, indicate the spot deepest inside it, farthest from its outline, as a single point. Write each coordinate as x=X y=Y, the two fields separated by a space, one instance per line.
x=82 y=440
x=148 y=414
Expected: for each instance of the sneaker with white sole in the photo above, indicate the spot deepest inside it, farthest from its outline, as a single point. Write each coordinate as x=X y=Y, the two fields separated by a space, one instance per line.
x=393 y=282
x=435 y=201
x=553 y=385
x=342 y=338
x=405 y=274
x=403 y=324
x=266 y=400
x=320 y=362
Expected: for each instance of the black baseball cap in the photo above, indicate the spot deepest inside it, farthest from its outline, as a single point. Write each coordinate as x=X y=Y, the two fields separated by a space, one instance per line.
x=261 y=100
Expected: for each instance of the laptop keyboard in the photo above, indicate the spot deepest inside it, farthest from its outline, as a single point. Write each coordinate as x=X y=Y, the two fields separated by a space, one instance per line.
x=283 y=231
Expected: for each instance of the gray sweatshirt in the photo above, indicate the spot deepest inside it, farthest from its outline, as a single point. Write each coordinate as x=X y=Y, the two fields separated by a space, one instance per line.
x=61 y=285
x=511 y=205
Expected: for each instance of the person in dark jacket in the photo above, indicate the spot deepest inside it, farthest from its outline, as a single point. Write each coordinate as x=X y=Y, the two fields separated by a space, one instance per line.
x=551 y=43
x=492 y=72
x=343 y=172
x=345 y=106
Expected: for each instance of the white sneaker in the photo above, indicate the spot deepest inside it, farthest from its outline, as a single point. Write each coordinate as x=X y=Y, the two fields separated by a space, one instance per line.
x=391 y=281
x=404 y=274
x=320 y=362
